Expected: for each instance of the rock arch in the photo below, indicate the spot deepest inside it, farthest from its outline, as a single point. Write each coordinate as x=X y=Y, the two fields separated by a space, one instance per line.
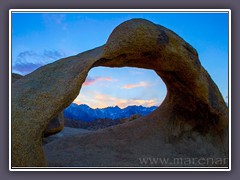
x=193 y=104
x=56 y=124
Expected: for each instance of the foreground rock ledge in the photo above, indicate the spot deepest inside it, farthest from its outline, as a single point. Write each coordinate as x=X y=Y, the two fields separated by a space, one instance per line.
x=191 y=122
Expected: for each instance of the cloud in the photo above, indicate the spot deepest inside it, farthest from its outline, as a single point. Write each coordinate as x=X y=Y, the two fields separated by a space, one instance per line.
x=226 y=98
x=89 y=81
x=140 y=84
x=26 y=68
x=28 y=61
x=137 y=71
x=55 y=18
x=143 y=102
x=99 y=100
x=77 y=101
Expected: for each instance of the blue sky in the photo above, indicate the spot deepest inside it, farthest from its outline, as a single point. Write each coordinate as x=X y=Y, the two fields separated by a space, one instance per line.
x=42 y=38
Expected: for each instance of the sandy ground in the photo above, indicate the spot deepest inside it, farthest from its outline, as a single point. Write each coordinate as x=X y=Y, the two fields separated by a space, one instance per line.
x=66 y=132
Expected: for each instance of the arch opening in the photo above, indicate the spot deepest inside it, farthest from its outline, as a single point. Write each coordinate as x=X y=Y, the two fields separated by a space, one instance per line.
x=121 y=87
x=112 y=96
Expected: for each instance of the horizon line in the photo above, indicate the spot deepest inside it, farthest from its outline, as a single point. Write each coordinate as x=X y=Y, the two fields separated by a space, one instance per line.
x=113 y=106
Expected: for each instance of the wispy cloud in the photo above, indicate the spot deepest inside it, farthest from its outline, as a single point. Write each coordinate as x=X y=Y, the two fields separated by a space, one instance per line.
x=89 y=81
x=28 y=61
x=57 y=19
x=140 y=84
x=136 y=71
x=127 y=102
x=98 y=100
x=226 y=98
x=77 y=101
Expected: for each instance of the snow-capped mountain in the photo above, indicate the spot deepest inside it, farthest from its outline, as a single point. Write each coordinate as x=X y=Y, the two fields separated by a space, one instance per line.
x=85 y=113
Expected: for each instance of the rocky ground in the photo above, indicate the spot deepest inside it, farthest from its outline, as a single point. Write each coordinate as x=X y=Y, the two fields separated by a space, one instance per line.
x=66 y=132
x=75 y=147
x=97 y=124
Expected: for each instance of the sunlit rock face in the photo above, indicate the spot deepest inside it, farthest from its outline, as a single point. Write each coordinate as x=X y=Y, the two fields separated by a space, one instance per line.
x=191 y=122
x=56 y=124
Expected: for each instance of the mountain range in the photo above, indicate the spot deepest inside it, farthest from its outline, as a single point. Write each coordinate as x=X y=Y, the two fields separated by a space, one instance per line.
x=85 y=113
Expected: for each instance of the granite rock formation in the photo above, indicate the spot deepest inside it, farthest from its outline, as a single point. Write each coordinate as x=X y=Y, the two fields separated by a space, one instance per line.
x=56 y=124
x=16 y=77
x=191 y=122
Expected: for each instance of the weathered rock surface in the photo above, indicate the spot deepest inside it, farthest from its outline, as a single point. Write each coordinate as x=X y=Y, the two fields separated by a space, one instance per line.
x=16 y=77
x=56 y=124
x=191 y=122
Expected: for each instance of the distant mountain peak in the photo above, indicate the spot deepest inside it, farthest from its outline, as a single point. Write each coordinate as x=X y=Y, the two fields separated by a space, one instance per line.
x=85 y=113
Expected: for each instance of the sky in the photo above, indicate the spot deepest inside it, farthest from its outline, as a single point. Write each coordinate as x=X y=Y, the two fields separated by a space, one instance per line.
x=42 y=38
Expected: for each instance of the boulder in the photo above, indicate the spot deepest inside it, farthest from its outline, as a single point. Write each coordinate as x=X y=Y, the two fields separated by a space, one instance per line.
x=192 y=121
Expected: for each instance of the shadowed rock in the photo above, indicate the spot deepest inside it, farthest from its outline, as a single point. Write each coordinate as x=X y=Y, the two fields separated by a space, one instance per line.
x=16 y=77
x=191 y=122
x=55 y=125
